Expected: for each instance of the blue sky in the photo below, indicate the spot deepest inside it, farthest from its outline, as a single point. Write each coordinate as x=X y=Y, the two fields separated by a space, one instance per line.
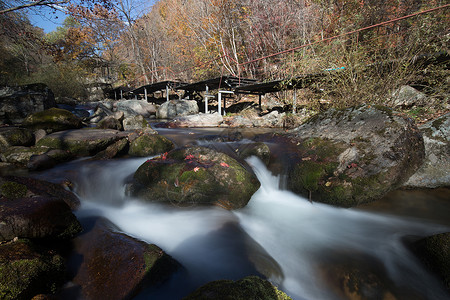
x=46 y=18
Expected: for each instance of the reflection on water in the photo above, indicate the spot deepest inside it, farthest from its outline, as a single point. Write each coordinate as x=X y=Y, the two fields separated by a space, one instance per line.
x=302 y=247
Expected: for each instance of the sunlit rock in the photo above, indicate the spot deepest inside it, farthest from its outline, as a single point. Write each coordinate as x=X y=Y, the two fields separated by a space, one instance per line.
x=52 y=120
x=353 y=156
x=174 y=108
x=435 y=171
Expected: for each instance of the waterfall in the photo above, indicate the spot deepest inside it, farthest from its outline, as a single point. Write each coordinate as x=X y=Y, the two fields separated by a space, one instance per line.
x=303 y=238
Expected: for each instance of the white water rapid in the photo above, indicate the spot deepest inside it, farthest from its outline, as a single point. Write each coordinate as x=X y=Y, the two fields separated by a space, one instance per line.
x=303 y=238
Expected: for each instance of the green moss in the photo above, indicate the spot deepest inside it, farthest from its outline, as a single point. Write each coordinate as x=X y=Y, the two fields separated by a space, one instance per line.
x=150 y=145
x=251 y=287
x=13 y=190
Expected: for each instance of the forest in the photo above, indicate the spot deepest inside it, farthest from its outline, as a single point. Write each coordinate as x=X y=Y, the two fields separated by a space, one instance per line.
x=136 y=42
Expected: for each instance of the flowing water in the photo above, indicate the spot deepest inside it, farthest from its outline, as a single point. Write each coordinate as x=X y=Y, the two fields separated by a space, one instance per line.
x=296 y=244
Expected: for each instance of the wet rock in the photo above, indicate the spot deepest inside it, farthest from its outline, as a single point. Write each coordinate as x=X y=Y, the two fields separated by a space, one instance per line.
x=195 y=176
x=36 y=187
x=15 y=136
x=198 y=120
x=150 y=144
x=36 y=218
x=48 y=159
x=434 y=252
x=137 y=123
x=435 y=171
x=361 y=277
x=135 y=107
x=117 y=149
x=353 y=156
x=251 y=287
x=26 y=270
x=16 y=103
x=260 y=150
x=100 y=111
x=83 y=142
x=110 y=122
x=174 y=108
x=52 y=120
x=117 y=266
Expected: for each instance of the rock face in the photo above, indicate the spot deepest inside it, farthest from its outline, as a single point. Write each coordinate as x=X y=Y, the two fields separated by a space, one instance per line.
x=352 y=156
x=150 y=144
x=116 y=266
x=135 y=107
x=174 y=108
x=435 y=171
x=110 y=122
x=407 y=96
x=82 y=142
x=51 y=120
x=26 y=271
x=198 y=120
x=19 y=102
x=251 y=287
x=434 y=252
x=195 y=176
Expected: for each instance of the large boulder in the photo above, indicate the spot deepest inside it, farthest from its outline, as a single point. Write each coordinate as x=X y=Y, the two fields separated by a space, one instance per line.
x=52 y=120
x=117 y=266
x=150 y=144
x=110 y=122
x=15 y=136
x=173 y=108
x=135 y=107
x=198 y=120
x=434 y=252
x=355 y=155
x=251 y=287
x=30 y=208
x=26 y=271
x=35 y=217
x=435 y=171
x=83 y=142
x=137 y=123
x=195 y=176
x=16 y=103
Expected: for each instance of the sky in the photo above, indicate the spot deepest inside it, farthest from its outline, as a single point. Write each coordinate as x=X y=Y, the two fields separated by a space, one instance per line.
x=46 y=18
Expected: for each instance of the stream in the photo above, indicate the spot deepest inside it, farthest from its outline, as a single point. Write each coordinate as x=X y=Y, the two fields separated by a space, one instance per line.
x=297 y=244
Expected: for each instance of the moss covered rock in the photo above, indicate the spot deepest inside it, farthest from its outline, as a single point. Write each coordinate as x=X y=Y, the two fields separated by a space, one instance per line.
x=195 y=175
x=21 y=155
x=260 y=150
x=15 y=136
x=26 y=271
x=150 y=144
x=51 y=120
x=110 y=123
x=251 y=287
x=353 y=156
x=117 y=266
x=84 y=142
x=12 y=190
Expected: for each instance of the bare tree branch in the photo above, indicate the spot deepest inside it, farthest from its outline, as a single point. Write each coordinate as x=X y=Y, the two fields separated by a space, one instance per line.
x=33 y=4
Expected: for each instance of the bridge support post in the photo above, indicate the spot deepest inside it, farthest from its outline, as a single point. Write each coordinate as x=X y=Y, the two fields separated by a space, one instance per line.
x=294 y=104
x=167 y=92
x=206 y=99
x=259 y=102
x=145 y=94
x=219 y=106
